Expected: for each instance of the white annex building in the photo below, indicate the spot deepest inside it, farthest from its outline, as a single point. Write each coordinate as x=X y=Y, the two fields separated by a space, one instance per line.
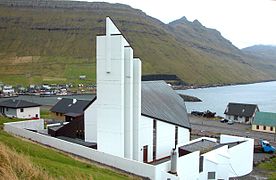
x=143 y=127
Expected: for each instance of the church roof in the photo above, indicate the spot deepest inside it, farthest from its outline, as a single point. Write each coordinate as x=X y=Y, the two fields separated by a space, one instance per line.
x=161 y=102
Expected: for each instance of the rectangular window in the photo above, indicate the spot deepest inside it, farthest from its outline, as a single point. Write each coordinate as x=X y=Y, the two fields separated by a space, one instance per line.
x=271 y=128
x=56 y=113
x=257 y=127
x=176 y=136
x=21 y=110
x=211 y=175
x=201 y=159
x=264 y=127
x=7 y=109
x=235 y=117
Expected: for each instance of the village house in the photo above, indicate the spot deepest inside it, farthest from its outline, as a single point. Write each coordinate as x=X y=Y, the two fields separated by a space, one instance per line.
x=20 y=109
x=68 y=109
x=264 y=122
x=242 y=113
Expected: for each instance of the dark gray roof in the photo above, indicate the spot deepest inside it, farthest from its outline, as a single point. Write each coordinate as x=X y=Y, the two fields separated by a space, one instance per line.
x=239 y=109
x=203 y=146
x=161 y=102
x=14 y=103
x=66 y=105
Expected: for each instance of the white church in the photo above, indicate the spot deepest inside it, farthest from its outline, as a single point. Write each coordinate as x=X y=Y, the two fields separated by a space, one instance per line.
x=140 y=121
x=145 y=121
x=143 y=127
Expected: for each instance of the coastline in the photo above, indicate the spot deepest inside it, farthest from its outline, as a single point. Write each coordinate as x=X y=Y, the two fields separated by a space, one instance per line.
x=194 y=86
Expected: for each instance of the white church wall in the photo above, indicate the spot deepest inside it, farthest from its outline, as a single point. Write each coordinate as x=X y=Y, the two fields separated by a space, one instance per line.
x=145 y=137
x=183 y=135
x=244 y=151
x=128 y=104
x=110 y=94
x=90 y=123
x=188 y=166
x=165 y=139
x=137 y=71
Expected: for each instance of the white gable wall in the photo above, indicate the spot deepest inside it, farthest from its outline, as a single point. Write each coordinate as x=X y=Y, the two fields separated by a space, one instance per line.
x=145 y=137
x=28 y=113
x=165 y=139
x=90 y=123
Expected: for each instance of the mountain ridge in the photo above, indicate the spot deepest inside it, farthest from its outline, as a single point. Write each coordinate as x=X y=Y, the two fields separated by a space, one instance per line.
x=54 y=41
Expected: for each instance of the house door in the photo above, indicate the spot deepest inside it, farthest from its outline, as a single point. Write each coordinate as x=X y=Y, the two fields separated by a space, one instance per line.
x=145 y=154
x=246 y=119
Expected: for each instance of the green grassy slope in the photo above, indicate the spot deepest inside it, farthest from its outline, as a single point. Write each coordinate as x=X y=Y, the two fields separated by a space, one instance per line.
x=54 y=164
x=41 y=44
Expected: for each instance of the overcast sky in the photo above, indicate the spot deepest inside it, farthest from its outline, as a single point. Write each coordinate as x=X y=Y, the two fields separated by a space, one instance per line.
x=243 y=22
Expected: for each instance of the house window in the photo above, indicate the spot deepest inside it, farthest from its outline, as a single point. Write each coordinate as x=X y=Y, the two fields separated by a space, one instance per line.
x=176 y=136
x=235 y=117
x=271 y=128
x=56 y=113
x=240 y=117
x=7 y=109
x=21 y=110
x=60 y=114
x=264 y=127
x=257 y=127
x=36 y=115
x=211 y=175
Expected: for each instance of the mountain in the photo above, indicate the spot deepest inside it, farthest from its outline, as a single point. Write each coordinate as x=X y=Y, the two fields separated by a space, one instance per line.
x=54 y=42
x=267 y=52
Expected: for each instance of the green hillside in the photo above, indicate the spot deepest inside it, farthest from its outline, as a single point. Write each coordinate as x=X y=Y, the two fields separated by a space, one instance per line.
x=23 y=159
x=54 y=42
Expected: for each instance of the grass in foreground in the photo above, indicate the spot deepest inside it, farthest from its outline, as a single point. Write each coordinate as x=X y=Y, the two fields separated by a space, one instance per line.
x=46 y=162
x=271 y=167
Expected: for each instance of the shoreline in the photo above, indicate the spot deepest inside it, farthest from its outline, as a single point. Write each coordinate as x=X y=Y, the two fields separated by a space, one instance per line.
x=219 y=85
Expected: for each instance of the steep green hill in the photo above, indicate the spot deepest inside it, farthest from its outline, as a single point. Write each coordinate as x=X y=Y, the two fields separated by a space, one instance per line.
x=54 y=41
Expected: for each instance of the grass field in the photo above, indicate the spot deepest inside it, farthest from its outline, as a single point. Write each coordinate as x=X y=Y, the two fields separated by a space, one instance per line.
x=271 y=167
x=38 y=162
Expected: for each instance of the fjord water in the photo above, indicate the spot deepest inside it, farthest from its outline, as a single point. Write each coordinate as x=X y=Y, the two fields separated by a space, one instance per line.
x=216 y=98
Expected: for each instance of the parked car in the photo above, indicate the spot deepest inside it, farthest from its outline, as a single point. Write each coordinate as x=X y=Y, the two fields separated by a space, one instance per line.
x=264 y=146
x=224 y=120
x=230 y=122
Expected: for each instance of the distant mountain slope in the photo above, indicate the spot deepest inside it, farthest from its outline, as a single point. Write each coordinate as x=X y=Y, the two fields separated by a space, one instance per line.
x=54 y=42
x=265 y=51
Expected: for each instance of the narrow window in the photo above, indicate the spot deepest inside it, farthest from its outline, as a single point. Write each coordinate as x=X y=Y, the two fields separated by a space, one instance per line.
x=7 y=109
x=176 y=136
x=235 y=117
x=271 y=128
x=257 y=127
x=154 y=140
x=201 y=159
x=21 y=110
x=56 y=113
x=264 y=127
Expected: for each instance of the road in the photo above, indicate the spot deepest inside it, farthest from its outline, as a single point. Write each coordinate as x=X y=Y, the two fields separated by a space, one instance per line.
x=206 y=126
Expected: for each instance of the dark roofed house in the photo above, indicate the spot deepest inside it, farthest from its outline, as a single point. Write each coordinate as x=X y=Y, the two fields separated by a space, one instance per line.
x=71 y=111
x=67 y=108
x=264 y=122
x=243 y=113
x=20 y=109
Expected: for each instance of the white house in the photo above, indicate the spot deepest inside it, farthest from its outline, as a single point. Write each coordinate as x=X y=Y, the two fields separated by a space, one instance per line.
x=20 y=109
x=239 y=112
